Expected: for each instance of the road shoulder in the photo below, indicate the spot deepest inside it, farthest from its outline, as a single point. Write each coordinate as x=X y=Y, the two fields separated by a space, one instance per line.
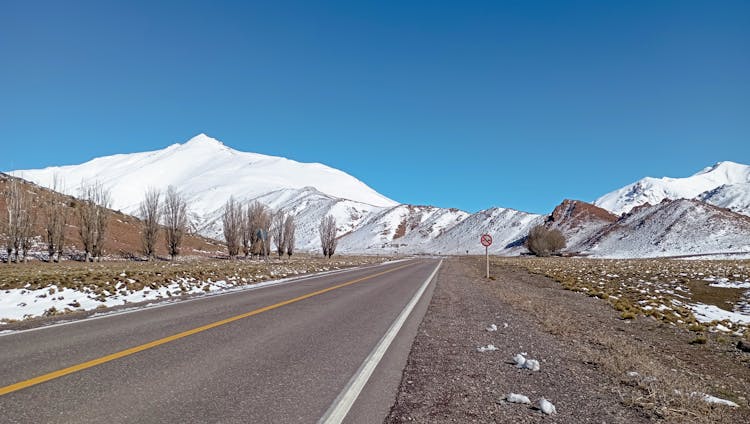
x=573 y=336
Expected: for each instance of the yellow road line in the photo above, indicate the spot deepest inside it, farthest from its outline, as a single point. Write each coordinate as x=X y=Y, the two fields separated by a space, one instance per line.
x=123 y=353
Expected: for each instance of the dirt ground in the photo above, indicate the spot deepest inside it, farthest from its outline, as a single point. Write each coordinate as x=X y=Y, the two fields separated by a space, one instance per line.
x=594 y=366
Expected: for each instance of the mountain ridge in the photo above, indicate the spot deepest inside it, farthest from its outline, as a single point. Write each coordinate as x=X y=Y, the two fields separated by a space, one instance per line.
x=208 y=172
x=653 y=190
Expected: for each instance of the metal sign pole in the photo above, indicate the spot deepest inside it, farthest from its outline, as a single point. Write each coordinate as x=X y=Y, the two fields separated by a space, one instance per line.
x=487 y=258
x=486 y=241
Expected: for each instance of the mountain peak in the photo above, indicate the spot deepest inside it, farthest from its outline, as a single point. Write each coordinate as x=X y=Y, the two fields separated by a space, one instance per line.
x=726 y=167
x=203 y=140
x=654 y=190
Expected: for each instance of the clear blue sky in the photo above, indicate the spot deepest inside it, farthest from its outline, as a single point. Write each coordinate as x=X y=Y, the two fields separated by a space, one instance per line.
x=458 y=104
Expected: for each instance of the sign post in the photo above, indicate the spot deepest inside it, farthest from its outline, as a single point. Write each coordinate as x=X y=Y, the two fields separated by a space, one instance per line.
x=486 y=241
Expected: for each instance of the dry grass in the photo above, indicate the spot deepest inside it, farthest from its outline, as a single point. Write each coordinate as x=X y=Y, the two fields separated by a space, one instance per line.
x=664 y=386
x=658 y=288
x=131 y=276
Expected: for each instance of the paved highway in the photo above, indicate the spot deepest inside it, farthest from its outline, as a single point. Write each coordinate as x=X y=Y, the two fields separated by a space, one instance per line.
x=290 y=353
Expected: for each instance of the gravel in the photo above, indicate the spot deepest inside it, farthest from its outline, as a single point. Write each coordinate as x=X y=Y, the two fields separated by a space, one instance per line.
x=571 y=335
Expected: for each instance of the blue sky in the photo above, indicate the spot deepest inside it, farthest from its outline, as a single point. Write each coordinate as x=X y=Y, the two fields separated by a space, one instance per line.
x=458 y=104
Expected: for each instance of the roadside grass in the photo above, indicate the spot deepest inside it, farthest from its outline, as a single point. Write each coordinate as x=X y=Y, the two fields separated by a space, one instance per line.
x=661 y=385
x=135 y=275
x=658 y=288
x=111 y=279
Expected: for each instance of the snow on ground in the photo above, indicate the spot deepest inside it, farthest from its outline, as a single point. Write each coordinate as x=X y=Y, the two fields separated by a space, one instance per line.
x=727 y=284
x=24 y=303
x=19 y=304
x=488 y=348
x=715 y=400
x=709 y=313
x=719 y=257
x=661 y=289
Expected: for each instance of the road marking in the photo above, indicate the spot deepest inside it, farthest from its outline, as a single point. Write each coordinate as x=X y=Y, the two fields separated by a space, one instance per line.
x=344 y=401
x=127 y=352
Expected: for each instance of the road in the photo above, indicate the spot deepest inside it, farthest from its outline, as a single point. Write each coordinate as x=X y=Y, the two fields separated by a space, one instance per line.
x=279 y=354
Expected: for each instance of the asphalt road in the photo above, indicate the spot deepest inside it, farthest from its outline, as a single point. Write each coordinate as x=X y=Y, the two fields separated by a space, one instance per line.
x=271 y=355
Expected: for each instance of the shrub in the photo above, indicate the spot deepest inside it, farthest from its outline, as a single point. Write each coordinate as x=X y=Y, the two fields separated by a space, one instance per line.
x=701 y=339
x=627 y=315
x=544 y=242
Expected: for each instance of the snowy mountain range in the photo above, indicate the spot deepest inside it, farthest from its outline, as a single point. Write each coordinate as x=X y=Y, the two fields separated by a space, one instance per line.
x=724 y=184
x=672 y=228
x=207 y=173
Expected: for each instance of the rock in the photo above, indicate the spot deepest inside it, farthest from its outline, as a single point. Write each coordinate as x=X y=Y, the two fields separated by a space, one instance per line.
x=532 y=364
x=520 y=360
x=516 y=398
x=547 y=407
x=743 y=345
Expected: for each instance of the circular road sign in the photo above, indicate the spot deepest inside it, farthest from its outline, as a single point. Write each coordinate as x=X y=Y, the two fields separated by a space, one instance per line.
x=486 y=240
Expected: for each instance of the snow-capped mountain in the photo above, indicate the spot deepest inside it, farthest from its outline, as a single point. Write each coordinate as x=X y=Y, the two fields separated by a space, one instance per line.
x=508 y=228
x=654 y=190
x=733 y=196
x=207 y=172
x=672 y=228
x=403 y=228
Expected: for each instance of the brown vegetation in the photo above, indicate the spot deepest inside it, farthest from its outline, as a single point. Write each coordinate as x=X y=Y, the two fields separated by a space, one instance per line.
x=545 y=242
x=123 y=238
x=328 y=238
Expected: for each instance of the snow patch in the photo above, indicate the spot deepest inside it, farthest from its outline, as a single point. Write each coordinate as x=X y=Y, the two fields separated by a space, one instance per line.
x=488 y=348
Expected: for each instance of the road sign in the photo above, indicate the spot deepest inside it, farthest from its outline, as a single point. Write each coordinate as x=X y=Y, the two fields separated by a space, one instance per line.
x=486 y=241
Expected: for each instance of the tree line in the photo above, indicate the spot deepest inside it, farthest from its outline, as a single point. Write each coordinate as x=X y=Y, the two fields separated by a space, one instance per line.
x=91 y=209
x=252 y=229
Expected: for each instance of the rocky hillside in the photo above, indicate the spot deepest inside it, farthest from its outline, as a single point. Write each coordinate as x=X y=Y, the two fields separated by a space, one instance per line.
x=672 y=228
x=124 y=238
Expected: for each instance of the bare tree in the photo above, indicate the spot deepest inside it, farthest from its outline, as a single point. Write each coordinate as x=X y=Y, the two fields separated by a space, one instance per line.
x=257 y=229
x=150 y=214
x=56 y=221
x=328 y=239
x=93 y=215
x=544 y=242
x=28 y=220
x=289 y=228
x=277 y=231
x=21 y=219
x=247 y=228
x=175 y=220
x=14 y=205
x=232 y=220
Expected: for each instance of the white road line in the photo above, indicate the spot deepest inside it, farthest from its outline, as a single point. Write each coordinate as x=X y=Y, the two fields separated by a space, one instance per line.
x=172 y=302
x=344 y=401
